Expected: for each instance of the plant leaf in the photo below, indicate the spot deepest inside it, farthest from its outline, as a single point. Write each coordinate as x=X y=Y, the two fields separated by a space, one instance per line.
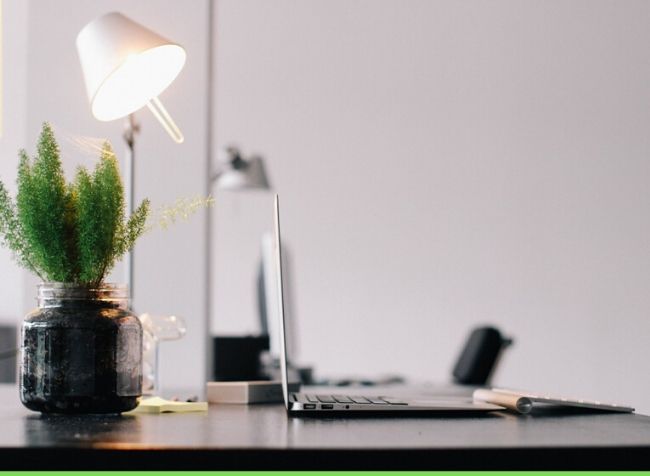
x=41 y=205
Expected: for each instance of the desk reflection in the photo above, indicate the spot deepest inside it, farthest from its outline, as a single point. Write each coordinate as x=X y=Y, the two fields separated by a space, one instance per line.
x=223 y=426
x=83 y=431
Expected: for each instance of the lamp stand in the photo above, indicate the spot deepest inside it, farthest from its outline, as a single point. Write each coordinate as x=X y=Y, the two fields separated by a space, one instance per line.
x=131 y=129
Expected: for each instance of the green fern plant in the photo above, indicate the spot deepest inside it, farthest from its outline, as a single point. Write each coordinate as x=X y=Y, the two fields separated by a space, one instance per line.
x=68 y=232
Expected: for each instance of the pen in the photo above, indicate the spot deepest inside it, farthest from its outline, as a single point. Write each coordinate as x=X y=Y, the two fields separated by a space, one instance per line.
x=512 y=402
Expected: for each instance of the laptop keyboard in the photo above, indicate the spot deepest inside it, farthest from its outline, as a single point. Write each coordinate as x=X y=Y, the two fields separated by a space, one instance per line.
x=353 y=399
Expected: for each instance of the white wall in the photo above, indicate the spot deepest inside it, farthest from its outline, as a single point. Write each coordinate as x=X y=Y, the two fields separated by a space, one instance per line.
x=14 y=102
x=169 y=264
x=444 y=164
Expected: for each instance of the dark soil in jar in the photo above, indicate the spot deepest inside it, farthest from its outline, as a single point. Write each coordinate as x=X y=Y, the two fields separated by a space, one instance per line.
x=82 y=357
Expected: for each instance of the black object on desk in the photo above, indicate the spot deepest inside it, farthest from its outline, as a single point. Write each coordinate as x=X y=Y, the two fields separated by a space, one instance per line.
x=8 y=353
x=238 y=358
x=480 y=356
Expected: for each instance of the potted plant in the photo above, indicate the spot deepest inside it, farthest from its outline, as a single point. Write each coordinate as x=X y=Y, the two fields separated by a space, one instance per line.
x=82 y=347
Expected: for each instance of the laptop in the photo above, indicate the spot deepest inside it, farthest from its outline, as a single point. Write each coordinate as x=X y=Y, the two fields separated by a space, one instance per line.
x=336 y=403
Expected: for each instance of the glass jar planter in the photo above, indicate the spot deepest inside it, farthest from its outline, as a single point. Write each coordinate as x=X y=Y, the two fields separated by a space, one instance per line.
x=81 y=351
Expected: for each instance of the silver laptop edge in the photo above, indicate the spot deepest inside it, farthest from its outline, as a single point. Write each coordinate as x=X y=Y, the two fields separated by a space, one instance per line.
x=277 y=257
x=299 y=403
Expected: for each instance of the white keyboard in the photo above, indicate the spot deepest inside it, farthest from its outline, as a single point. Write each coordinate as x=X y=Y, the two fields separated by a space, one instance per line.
x=566 y=401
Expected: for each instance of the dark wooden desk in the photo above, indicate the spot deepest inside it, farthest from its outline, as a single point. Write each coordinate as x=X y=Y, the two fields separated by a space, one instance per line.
x=262 y=437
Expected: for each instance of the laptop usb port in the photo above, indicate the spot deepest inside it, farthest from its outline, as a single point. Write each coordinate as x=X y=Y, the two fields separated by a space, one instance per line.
x=327 y=406
x=309 y=406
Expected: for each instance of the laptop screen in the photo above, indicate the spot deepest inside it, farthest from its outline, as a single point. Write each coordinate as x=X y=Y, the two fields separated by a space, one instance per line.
x=277 y=261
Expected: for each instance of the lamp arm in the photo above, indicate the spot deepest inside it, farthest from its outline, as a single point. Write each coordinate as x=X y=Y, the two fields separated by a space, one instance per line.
x=131 y=128
x=158 y=110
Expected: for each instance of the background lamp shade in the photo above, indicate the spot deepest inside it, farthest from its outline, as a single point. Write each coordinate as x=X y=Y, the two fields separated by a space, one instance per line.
x=125 y=66
x=239 y=173
x=252 y=177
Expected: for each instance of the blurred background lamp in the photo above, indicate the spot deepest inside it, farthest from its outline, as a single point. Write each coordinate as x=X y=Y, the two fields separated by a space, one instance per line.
x=126 y=66
x=236 y=172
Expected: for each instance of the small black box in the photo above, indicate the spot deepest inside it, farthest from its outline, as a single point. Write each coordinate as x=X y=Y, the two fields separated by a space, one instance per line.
x=238 y=358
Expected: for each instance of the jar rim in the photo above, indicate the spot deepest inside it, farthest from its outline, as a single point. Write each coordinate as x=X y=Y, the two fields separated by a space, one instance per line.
x=101 y=287
x=49 y=292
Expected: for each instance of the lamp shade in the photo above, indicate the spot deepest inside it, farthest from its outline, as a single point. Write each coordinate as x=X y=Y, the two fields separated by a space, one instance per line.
x=125 y=65
x=253 y=176
x=238 y=173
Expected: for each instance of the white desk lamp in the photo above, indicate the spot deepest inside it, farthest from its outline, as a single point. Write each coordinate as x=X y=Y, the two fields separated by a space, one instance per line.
x=238 y=173
x=125 y=67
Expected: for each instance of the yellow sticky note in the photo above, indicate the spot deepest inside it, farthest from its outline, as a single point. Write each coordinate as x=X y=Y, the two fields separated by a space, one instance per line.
x=160 y=405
